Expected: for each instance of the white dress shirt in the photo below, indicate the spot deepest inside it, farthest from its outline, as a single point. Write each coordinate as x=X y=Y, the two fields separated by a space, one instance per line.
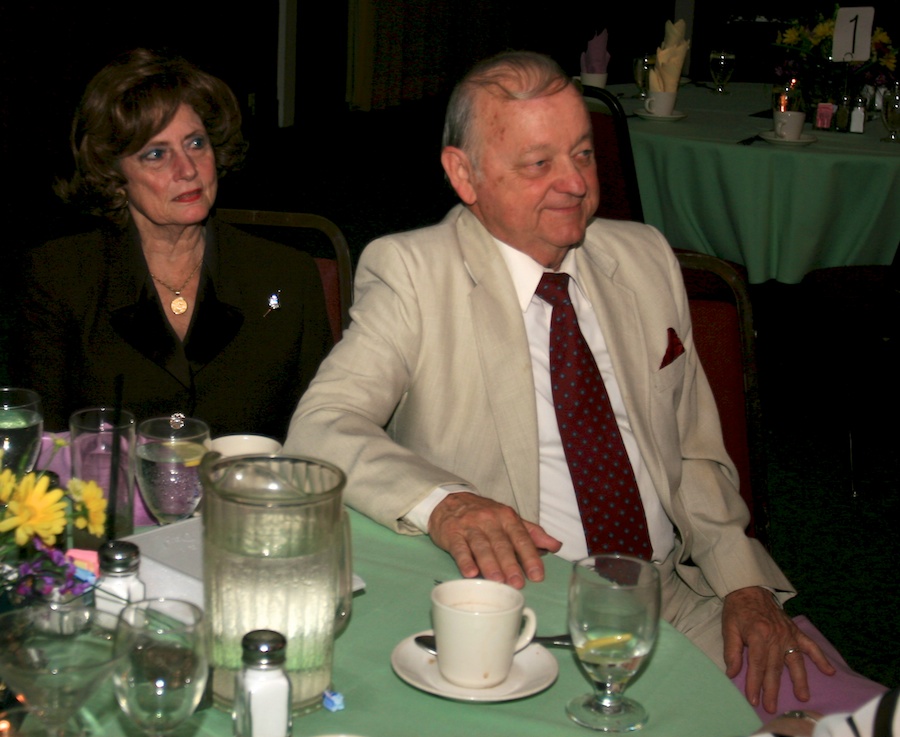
x=559 y=515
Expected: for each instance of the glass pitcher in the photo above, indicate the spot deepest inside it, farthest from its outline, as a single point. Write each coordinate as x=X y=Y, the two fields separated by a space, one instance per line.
x=275 y=556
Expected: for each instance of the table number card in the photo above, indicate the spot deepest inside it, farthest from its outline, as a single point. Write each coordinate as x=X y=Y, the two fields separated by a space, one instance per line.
x=853 y=34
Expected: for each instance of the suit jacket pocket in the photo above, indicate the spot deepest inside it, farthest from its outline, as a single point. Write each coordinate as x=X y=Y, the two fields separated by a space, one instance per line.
x=670 y=376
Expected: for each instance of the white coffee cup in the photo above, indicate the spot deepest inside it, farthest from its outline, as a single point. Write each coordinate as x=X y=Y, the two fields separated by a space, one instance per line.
x=660 y=103
x=594 y=79
x=478 y=627
x=238 y=445
x=788 y=124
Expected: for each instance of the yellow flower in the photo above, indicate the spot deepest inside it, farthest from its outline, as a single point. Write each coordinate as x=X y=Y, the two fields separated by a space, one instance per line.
x=33 y=509
x=890 y=61
x=823 y=30
x=93 y=515
x=791 y=37
x=7 y=485
x=879 y=35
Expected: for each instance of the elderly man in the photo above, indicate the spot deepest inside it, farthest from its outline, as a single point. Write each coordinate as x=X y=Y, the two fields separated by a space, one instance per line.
x=449 y=400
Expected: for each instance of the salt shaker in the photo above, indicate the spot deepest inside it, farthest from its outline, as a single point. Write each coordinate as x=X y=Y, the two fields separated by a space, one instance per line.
x=858 y=116
x=119 y=582
x=262 y=693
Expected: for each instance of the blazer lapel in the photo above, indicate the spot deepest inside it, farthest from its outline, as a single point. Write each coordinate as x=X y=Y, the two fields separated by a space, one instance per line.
x=615 y=305
x=505 y=361
x=138 y=318
x=214 y=326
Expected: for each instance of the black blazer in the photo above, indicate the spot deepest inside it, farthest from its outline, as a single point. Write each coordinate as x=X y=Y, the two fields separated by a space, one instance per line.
x=89 y=312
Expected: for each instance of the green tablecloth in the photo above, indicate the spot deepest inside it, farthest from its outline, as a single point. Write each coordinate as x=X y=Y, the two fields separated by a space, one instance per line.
x=684 y=692
x=780 y=210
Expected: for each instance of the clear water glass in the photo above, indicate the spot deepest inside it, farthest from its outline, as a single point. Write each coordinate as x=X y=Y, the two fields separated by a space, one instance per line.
x=890 y=113
x=721 y=67
x=21 y=428
x=614 y=605
x=169 y=451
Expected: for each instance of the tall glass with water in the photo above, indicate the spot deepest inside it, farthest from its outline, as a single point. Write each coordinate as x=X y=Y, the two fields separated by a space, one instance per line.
x=273 y=541
x=21 y=427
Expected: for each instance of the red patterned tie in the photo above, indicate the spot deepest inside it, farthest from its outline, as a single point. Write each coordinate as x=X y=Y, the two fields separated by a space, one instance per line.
x=608 y=498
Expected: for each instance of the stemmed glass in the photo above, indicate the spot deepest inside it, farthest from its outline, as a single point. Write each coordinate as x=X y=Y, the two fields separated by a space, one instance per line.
x=721 y=67
x=164 y=663
x=614 y=603
x=21 y=427
x=642 y=67
x=54 y=656
x=890 y=113
x=169 y=452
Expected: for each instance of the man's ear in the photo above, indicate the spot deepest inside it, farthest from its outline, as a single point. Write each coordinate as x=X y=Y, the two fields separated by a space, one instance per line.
x=459 y=170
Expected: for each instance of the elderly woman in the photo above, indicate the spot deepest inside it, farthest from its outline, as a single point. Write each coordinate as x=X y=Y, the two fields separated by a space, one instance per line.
x=186 y=314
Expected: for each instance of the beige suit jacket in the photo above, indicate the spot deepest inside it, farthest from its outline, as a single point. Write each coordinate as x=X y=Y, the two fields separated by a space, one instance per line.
x=432 y=384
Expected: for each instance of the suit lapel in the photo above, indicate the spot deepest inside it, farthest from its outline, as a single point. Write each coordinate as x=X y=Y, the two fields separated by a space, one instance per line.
x=505 y=362
x=615 y=304
x=136 y=314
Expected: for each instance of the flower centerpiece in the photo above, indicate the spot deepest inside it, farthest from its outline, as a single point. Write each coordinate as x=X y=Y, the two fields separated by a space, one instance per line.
x=36 y=520
x=808 y=58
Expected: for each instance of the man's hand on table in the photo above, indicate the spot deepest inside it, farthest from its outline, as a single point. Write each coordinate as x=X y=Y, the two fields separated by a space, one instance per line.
x=488 y=538
x=752 y=619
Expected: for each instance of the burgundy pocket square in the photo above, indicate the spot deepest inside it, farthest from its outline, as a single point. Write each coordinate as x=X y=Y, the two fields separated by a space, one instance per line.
x=674 y=349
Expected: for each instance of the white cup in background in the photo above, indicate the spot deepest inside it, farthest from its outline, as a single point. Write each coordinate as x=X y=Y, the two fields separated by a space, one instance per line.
x=478 y=626
x=238 y=445
x=788 y=124
x=594 y=79
x=660 y=103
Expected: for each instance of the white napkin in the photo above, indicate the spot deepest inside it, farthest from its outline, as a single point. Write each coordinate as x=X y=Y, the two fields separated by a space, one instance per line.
x=666 y=75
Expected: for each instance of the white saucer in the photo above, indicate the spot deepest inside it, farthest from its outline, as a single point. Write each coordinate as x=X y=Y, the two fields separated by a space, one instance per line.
x=804 y=140
x=647 y=115
x=533 y=670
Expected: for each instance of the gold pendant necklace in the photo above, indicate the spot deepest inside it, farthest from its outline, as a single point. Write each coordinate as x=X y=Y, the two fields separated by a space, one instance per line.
x=179 y=304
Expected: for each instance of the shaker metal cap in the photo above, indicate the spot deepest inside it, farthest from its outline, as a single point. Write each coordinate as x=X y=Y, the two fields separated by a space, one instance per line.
x=263 y=647
x=119 y=556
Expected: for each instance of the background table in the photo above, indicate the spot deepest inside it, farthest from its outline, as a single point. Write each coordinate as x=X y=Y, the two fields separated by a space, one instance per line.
x=683 y=691
x=780 y=210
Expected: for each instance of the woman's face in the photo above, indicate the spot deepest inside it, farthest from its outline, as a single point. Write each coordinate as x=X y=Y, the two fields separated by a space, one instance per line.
x=171 y=180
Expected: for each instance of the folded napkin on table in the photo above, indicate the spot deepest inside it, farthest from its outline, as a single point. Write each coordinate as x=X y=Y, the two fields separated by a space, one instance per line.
x=596 y=58
x=665 y=76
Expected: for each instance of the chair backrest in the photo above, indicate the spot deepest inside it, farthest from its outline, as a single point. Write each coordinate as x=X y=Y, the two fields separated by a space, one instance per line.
x=620 y=198
x=335 y=268
x=724 y=336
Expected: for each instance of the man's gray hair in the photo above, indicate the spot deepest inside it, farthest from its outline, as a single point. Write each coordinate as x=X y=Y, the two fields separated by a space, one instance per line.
x=512 y=75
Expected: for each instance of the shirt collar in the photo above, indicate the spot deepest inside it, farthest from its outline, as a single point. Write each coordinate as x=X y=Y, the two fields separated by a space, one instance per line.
x=526 y=273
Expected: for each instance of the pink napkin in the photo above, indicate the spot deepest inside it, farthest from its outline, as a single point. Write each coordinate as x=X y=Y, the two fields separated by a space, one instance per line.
x=846 y=690
x=596 y=58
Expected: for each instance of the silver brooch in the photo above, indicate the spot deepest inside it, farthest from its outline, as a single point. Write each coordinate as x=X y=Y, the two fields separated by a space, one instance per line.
x=274 y=302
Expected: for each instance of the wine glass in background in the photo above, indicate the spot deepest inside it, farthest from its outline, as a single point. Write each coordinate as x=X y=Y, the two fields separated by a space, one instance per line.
x=54 y=656
x=163 y=663
x=642 y=67
x=890 y=113
x=169 y=451
x=614 y=603
x=721 y=67
x=21 y=427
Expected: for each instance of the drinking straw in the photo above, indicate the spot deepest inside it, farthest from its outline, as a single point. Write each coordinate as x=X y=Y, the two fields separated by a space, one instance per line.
x=115 y=461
